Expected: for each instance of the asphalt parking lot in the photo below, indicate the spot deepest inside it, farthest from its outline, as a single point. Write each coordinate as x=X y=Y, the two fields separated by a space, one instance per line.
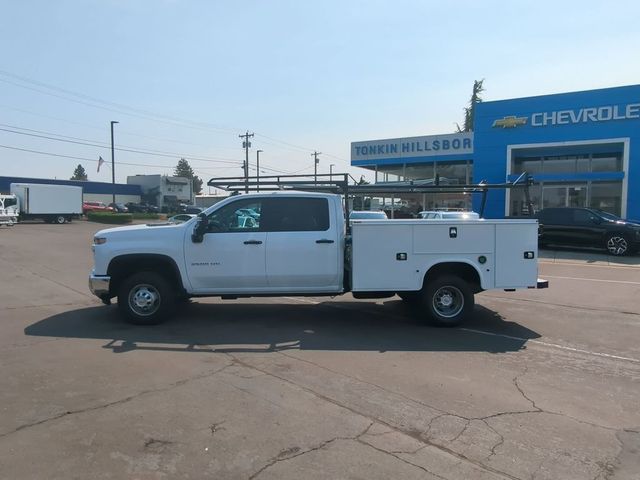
x=538 y=385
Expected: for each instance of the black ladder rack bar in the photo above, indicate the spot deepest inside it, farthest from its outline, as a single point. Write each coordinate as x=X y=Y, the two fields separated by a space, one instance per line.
x=338 y=183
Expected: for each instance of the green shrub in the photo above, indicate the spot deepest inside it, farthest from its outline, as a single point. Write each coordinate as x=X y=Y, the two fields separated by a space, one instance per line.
x=108 y=217
x=145 y=216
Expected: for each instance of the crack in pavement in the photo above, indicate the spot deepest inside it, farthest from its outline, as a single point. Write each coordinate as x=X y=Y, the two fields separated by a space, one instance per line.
x=406 y=397
x=410 y=433
x=424 y=435
x=499 y=443
x=524 y=395
x=121 y=401
x=404 y=460
x=285 y=456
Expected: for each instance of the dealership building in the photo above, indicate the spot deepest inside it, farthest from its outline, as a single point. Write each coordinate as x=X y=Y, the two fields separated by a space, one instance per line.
x=582 y=149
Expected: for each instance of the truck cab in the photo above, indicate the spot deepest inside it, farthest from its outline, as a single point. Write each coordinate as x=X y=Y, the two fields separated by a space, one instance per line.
x=9 y=210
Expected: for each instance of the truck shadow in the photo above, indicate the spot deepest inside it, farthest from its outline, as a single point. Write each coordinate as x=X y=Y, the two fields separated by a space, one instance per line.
x=244 y=326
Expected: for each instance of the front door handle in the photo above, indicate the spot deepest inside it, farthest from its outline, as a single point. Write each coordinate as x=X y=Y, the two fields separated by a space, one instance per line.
x=324 y=240
x=253 y=242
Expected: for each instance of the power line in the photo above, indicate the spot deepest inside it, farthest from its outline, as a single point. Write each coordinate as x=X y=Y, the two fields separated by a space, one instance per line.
x=91 y=143
x=140 y=113
x=112 y=106
x=96 y=127
x=74 y=157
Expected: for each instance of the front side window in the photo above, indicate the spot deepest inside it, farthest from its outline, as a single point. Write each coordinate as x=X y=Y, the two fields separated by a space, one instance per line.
x=295 y=214
x=583 y=217
x=233 y=218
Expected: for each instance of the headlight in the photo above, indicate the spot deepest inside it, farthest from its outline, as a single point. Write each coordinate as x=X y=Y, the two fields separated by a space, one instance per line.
x=99 y=240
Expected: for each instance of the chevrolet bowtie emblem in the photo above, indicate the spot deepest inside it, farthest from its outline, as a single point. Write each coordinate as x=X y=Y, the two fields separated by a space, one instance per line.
x=510 y=122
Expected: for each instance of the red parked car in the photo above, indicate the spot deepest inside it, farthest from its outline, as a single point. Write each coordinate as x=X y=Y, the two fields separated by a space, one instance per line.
x=95 y=207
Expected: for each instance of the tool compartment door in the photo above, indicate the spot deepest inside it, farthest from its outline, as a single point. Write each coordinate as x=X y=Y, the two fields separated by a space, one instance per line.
x=514 y=242
x=377 y=254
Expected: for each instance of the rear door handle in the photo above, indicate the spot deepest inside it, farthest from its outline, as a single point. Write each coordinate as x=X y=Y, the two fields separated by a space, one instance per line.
x=324 y=240
x=253 y=242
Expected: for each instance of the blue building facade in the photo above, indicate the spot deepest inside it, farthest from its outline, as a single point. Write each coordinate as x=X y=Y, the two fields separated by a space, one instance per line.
x=582 y=149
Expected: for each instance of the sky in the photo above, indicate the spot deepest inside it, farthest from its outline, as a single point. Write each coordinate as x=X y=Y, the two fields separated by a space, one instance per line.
x=185 y=78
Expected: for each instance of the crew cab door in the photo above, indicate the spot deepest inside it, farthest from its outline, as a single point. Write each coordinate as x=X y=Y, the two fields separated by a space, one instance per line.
x=231 y=257
x=303 y=251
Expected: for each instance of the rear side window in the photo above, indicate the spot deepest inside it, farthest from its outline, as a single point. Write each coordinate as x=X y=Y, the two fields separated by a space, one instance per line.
x=555 y=216
x=584 y=217
x=295 y=214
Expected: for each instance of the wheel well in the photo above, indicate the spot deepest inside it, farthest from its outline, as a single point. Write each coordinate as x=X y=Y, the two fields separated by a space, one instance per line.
x=121 y=267
x=459 y=269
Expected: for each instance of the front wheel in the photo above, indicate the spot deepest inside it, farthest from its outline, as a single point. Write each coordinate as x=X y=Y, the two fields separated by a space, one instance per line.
x=59 y=219
x=448 y=300
x=146 y=298
x=617 y=244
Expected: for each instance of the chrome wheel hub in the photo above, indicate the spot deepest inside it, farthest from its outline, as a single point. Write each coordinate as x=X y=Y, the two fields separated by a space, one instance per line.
x=448 y=301
x=144 y=299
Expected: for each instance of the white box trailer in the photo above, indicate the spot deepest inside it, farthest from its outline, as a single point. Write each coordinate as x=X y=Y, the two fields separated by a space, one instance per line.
x=48 y=202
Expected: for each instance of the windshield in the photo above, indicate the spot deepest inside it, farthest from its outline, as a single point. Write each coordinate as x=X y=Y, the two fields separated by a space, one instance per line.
x=608 y=216
x=7 y=202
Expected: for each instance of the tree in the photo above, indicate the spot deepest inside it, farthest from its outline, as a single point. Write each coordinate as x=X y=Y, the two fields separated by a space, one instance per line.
x=470 y=110
x=183 y=169
x=79 y=173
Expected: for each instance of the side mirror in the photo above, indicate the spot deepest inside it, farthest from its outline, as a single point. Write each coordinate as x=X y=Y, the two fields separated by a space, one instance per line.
x=200 y=229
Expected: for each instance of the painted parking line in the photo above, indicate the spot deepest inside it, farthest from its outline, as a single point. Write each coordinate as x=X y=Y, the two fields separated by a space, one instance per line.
x=483 y=332
x=626 y=282
x=588 y=265
x=554 y=345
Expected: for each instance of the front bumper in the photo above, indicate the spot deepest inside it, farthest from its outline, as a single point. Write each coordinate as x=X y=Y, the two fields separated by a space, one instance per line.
x=99 y=285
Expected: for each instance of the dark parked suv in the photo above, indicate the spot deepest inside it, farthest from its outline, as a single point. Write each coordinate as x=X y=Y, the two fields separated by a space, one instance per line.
x=588 y=227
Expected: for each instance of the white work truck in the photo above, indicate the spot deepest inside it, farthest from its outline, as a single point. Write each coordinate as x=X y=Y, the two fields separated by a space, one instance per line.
x=49 y=202
x=297 y=245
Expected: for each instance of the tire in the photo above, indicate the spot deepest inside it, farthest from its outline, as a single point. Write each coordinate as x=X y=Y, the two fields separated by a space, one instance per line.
x=146 y=298
x=59 y=219
x=448 y=300
x=617 y=244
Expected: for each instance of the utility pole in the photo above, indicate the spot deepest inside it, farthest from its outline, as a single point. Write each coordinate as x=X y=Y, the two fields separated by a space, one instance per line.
x=113 y=165
x=258 y=167
x=331 y=171
x=315 y=165
x=246 y=145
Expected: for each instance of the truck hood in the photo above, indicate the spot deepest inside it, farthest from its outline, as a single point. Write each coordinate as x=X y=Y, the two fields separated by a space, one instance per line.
x=139 y=229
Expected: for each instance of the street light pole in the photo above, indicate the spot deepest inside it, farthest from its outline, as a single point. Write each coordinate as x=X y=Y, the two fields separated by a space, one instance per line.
x=331 y=171
x=258 y=168
x=113 y=165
